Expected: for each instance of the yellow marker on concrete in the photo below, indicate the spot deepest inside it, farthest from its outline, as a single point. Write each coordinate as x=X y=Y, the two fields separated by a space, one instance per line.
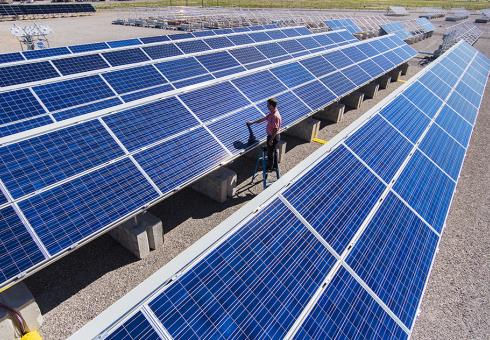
x=402 y=81
x=33 y=335
x=320 y=141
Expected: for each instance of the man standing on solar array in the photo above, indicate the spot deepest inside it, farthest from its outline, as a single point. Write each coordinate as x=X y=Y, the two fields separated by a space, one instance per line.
x=274 y=120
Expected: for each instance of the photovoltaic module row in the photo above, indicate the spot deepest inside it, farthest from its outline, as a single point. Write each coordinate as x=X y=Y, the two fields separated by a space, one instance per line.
x=70 y=184
x=98 y=46
x=42 y=103
x=342 y=245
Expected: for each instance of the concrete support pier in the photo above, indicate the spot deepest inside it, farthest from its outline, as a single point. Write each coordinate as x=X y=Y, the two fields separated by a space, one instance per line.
x=395 y=75
x=370 y=90
x=306 y=130
x=281 y=150
x=404 y=68
x=354 y=100
x=218 y=185
x=19 y=298
x=332 y=113
x=383 y=81
x=132 y=236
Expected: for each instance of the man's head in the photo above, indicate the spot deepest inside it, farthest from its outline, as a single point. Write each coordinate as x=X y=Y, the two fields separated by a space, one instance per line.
x=271 y=104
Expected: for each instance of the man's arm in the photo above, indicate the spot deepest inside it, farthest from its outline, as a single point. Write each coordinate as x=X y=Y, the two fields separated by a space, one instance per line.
x=260 y=120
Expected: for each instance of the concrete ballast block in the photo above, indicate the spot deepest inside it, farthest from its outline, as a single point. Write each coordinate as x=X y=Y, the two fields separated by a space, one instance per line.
x=383 y=81
x=218 y=185
x=354 y=100
x=332 y=113
x=404 y=69
x=370 y=90
x=133 y=237
x=281 y=150
x=305 y=130
x=395 y=75
x=19 y=298
x=154 y=229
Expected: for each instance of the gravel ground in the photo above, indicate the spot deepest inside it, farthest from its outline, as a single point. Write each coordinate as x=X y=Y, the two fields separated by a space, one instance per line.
x=78 y=287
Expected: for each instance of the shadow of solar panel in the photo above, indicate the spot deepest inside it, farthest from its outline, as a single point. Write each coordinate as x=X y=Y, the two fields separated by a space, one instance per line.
x=10 y=57
x=26 y=73
x=193 y=46
x=162 y=51
x=217 y=61
x=18 y=249
x=86 y=204
x=125 y=57
x=427 y=189
x=443 y=150
x=49 y=52
x=64 y=94
x=380 y=146
x=345 y=309
x=18 y=105
x=463 y=107
x=123 y=43
x=80 y=64
x=315 y=95
x=318 y=66
x=146 y=124
x=213 y=101
x=169 y=167
x=292 y=74
x=88 y=47
x=243 y=300
x=158 y=38
x=133 y=79
x=233 y=132
x=259 y=86
x=335 y=196
x=395 y=233
x=137 y=327
x=181 y=69
x=338 y=84
x=11 y=129
x=455 y=125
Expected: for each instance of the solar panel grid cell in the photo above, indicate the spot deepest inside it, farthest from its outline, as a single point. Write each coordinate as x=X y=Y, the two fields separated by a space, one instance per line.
x=315 y=95
x=123 y=43
x=338 y=59
x=11 y=129
x=137 y=327
x=26 y=73
x=217 y=61
x=463 y=107
x=18 y=105
x=356 y=75
x=181 y=69
x=292 y=74
x=133 y=79
x=49 y=52
x=88 y=47
x=318 y=66
x=162 y=51
x=259 y=86
x=81 y=110
x=272 y=50
x=80 y=64
x=247 y=55
x=338 y=83
x=125 y=57
x=193 y=46
x=455 y=125
x=290 y=106
x=10 y=57
x=220 y=42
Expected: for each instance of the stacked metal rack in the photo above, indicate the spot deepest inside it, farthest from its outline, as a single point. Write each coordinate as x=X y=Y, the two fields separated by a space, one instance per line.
x=452 y=35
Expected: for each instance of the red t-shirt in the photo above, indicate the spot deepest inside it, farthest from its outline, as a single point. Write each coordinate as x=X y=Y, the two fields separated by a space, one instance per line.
x=274 y=121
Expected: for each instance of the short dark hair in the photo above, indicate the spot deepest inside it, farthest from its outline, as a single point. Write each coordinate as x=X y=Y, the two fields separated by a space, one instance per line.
x=272 y=102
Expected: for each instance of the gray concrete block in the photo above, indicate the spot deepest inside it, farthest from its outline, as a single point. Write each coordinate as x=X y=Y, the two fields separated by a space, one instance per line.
x=133 y=237
x=218 y=185
x=281 y=150
x=19 y=298
x=305 y=130
x=332 y=113
x=383 y=81
x=370 y=90
x=404 y=68
x=395 y=75
x=354 y=100
x=154 y=229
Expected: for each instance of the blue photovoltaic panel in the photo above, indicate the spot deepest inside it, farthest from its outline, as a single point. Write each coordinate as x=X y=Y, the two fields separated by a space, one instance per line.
x=213 y=101
x=259 y=86
x=88 y=47
x=440 y=88
x=259 y=36
x=203 y=33
x=18 y=105
x=355 y=54
x=324 y=40
x=162 y=51
x=124 y=57
x=80 y=64
x=18 y=249
x=380 y=146
x=133 y=79
x=10 y=57
x=276 y=35
x=247 y=55
x=240 y=29
x=220 y=31
x=427 y=189
x=3 y=199
x=338 y=84
x=383 y=62
x=232 y=132
x=347 y=24
x=443 y=150
x=397 y=234
x=335 y=196
x=146 y=93
x=192 y=81
x=49 y=52
x=346 y=310
x=406 y=117
x=290 y=107
x=229 y=71
x=318 y=66
x=219 y=42
x=444 y=74
x=217 y=61
x=193 y=46
x=241 y=39
x=72 y=92
x=292 y=74
x=158 y=38
x=371 y=68
x=393 y=57
x=11 y=129
x=123 y=43
x=81 y=110
x=469 y=94
x=65 y=214
x=241 y=300
x=455 y=125
x=308 y=42
x=356 y=75
x=180 y=36
x=30 y=165
x=149 y=123
x=315 y=95
x=137 y=327
x=338 y=59
x=462 y=107
x=272 y=50
x=175 y=162
x=291 y=32
x=379 y=46
x=291 y=46
x=19 y=74
x=303 y=30
x=258 y=64
x=181 y=69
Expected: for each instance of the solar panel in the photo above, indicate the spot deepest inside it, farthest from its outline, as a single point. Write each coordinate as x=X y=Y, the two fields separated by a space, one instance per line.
x=12 y=75
x=151 y=40
x=259 y=86
x=49 y=52
x=217 y=61
x=134 y=79
x=181 y=69
x=123 y=43
x=315 y=95
x=193 y=46
x=81 y=110
x=10 y=57
x=7 y=130
x=18 y=105
x=162 y=51
x=292 y=74
x=80 y=64
x=88 y=47
x=396 y=28
x=455 y=125
x=347 y=24
x=137 y=327
x=124 y=57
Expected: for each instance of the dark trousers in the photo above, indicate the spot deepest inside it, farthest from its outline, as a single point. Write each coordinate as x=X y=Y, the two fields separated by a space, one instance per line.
x=271 y=152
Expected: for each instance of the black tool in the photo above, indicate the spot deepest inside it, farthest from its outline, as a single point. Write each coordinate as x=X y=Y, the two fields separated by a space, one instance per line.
x=251 y=136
